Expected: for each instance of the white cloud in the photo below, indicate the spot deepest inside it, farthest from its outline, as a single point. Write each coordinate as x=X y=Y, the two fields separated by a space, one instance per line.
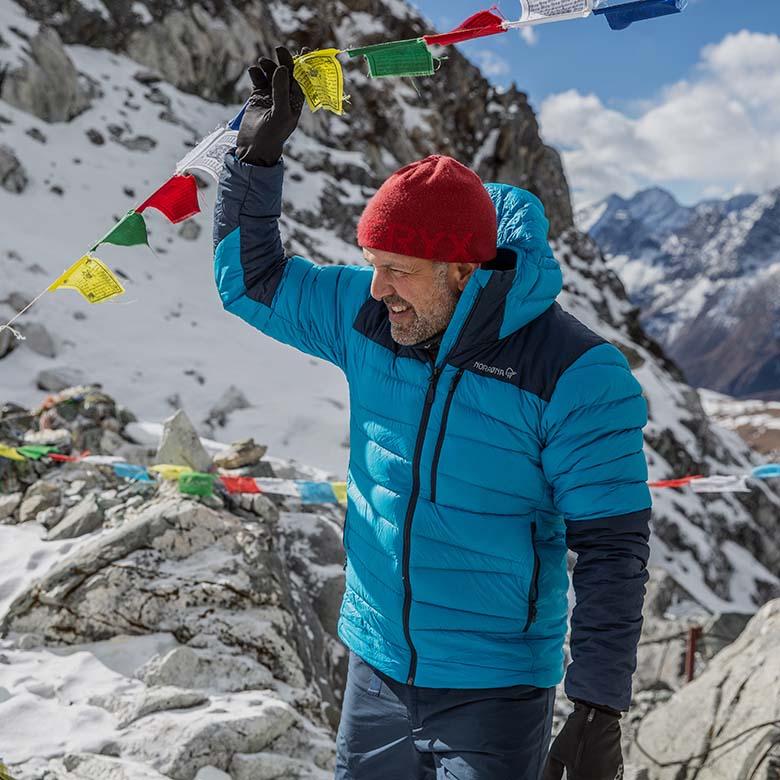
x=491 y=64
x=529 y=35
x=719 y=130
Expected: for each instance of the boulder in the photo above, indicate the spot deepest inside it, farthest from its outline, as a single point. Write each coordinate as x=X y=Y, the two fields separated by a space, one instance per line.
x=8 y=342
x=179 y=744
x=51 y=516
x=90 y=766
x=130 y=706
x=241 y=453
x=54 y=380
x=711 y=728
x=270 y=766
x=180 y=444
x=13 y=177
x=231 y=400
x=47 y=85
x=190 y=230
x=199 y=53
x=217 y=668
x=84 y=518
x=38 y=339
x=8 y=505
x=211 y=773
x=40 y=496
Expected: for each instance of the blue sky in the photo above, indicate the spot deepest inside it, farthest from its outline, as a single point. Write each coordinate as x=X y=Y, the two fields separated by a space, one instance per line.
x=676 y=72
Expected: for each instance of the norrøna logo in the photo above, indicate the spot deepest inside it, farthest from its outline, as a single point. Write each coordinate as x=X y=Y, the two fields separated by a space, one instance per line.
x=507 y=373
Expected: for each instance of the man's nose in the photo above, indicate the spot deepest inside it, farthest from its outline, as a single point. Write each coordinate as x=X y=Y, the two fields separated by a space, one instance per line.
x=379 y=286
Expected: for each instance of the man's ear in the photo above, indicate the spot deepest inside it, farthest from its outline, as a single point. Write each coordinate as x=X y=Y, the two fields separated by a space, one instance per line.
x=461 y=273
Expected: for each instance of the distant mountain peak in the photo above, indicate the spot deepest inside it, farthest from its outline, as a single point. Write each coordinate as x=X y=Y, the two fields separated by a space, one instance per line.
x=701 y=276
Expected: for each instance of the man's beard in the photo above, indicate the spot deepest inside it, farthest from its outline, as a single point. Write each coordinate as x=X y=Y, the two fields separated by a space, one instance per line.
x=422 y=326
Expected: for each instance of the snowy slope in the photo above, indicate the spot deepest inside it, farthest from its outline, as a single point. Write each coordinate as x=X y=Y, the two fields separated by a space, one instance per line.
x=170 y=322
x=168 y=342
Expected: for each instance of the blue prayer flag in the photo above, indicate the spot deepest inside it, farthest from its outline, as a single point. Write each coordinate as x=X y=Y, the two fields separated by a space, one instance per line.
x=235 y=122
x=621 y=13
x=769 y=470
x=129 y=471
x=316 y=492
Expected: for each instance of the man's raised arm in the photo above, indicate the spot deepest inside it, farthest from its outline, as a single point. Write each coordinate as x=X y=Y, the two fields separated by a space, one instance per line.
x=292 y=299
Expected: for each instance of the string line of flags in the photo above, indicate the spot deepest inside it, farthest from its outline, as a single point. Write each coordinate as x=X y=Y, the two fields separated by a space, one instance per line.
x=322 y=80
x=312 y=492
x=190 y=481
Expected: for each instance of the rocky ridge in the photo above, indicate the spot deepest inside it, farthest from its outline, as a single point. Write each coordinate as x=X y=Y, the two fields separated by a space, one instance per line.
x=706 y=279
x=238 y=592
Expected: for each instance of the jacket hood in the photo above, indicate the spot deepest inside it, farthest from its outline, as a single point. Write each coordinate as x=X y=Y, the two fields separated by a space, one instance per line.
x=524 y=253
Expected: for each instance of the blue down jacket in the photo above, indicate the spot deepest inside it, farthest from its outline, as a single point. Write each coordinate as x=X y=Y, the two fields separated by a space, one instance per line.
x=470 y=475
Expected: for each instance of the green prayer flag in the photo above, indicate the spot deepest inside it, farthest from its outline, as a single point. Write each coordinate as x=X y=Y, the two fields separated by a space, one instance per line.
x=129 y=231
x=397 y=58
x=195 y=483
x=35 y=451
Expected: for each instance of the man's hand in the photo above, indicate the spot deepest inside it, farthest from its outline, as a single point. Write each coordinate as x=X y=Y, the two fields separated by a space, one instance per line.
x=588 y=746
x=273 y=110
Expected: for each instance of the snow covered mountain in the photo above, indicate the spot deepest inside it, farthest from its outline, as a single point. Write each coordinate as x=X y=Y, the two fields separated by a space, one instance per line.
x=707 y=281
x=170 y=338
x=82 y=143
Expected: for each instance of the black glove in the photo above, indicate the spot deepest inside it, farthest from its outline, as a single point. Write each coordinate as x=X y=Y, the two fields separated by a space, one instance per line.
x=272 y=112
x=588 y=746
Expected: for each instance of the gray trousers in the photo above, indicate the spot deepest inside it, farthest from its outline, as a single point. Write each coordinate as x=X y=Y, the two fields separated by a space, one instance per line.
x=392 y=731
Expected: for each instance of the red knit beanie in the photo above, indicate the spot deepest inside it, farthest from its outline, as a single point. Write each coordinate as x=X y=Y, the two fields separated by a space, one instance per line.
x=435 y=208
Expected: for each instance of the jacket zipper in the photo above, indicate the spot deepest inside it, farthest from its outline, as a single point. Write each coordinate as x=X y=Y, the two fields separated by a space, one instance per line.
x=533 y=588
x=426 y=413
x=442 y=431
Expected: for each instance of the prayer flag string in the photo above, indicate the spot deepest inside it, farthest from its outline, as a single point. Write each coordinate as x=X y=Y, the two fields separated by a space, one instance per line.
x=322 y=80
x=312 y=492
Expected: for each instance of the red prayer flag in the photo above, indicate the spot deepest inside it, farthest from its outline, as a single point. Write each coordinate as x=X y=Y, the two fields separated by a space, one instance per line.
x=480 y=24
x=240 y=485
x=177 y=199
x=670 y=483
x=56 y=456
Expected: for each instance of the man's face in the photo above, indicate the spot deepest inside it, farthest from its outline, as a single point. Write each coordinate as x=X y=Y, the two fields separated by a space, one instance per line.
x=420 y=294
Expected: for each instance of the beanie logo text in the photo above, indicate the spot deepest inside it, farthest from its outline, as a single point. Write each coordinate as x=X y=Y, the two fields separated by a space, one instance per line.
x=432 y=244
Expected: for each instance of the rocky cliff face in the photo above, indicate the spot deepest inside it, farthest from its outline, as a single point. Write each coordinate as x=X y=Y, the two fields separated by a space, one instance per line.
x=723 y=725
x=205 y=47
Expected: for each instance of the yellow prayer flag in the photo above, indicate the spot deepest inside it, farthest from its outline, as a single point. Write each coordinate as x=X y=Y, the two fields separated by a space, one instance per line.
x=340 y=491
x=322 y=80
x=91 y=278
x=169 y=471
x=10 y=453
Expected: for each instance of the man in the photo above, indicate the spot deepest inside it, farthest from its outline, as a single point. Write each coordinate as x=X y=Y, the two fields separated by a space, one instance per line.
x=489 y=430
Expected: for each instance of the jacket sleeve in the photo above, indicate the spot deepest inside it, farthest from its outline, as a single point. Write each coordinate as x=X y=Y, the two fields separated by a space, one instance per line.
x=293 y=300
x=593 y=459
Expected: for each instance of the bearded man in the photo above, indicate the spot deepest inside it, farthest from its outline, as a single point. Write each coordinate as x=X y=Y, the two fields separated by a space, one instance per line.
x=490 y=432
